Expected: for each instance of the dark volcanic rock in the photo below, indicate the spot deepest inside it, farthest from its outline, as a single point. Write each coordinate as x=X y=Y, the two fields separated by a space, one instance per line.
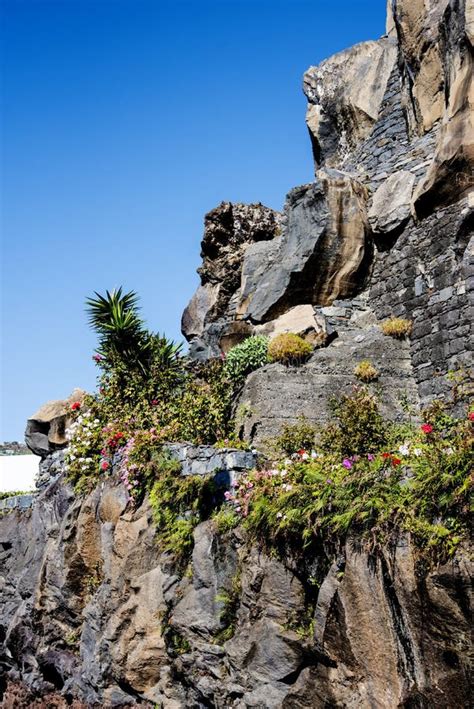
x=94 y=614
x=228 y=231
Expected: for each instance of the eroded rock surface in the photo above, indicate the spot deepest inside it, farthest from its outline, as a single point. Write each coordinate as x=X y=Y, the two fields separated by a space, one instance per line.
x=93 y=613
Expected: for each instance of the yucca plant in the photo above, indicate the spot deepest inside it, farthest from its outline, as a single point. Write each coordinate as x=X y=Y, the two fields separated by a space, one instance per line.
x=122 y=335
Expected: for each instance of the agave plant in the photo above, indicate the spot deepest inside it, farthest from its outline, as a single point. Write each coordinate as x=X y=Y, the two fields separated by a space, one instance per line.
x=122 y=335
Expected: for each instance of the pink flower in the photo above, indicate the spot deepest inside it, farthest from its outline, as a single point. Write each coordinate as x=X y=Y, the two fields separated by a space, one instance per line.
x=104 y=465
x=154 y=402
x=347 y=463
x=471 y=415
x=427 y=428
x=97 y=358
x=227 y=495
x=370 y=457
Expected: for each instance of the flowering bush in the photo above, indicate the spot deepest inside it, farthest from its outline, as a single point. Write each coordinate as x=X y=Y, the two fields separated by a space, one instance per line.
x=422 y=487
x=289 y=348
x=83 y=457
x=245 y=357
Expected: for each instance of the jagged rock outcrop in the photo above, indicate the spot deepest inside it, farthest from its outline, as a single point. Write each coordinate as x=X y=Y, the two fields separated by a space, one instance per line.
x=229 y=230
x=94 y=611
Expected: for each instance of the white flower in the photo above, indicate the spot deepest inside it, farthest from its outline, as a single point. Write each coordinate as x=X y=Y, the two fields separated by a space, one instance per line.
x=254 y=451
x=304 y=456
x=283 y=473
x=279 y=515
x=288 y=461
x=314 y=454
x=404 y=450
x=417 y=452
x=287 y=486
x=448 y=451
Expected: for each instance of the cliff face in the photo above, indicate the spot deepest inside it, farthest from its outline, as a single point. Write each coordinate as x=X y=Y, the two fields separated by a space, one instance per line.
x=93 y=611
x=94 y=615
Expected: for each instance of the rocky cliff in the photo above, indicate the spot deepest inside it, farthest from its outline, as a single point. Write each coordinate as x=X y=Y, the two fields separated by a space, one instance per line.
x=95 y=615
x=384 y=230
x=93 y=611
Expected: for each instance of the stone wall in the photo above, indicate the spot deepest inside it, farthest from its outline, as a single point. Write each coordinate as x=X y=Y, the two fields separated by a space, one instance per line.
x=429 y=279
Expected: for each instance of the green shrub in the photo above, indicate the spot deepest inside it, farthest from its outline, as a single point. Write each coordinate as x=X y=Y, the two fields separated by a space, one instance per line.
x=294 y=437
x=366 y=372
x=358 y=426
x=289 y=349
x=201 y=409
x=245 y=357
x=397 y=327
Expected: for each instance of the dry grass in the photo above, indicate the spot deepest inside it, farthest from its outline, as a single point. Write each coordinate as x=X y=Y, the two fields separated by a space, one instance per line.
x=397 y=327
x=366 y=372
x=289 y=348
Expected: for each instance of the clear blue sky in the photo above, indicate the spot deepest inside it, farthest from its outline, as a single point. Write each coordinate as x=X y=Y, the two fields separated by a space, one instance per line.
x=124 y=121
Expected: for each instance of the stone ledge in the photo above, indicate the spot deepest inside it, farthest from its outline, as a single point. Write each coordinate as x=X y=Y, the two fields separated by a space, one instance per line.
x=18 y=502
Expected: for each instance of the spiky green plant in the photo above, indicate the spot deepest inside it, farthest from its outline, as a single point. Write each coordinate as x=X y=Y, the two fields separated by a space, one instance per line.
x=122 y=335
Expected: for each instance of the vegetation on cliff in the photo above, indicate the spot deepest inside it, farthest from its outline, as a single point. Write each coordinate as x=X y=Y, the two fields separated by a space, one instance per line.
x=359 y=474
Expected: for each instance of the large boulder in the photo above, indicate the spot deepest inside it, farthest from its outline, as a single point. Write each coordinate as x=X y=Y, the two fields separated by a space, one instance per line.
x=322 y=254
x=46 y=429
x=450 y=176
x=275 y=395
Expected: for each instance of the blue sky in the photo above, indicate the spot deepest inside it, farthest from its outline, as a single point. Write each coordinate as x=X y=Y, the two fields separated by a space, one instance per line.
x=124 y=121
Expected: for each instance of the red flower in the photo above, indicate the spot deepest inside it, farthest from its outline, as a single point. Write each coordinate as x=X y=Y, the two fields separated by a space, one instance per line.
x=427 y=428
x=76 y=406
x=301 y=451
x=471 y=415
x=386 y=455
x=396 y=461
x=104 y=465
x=154 y=402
